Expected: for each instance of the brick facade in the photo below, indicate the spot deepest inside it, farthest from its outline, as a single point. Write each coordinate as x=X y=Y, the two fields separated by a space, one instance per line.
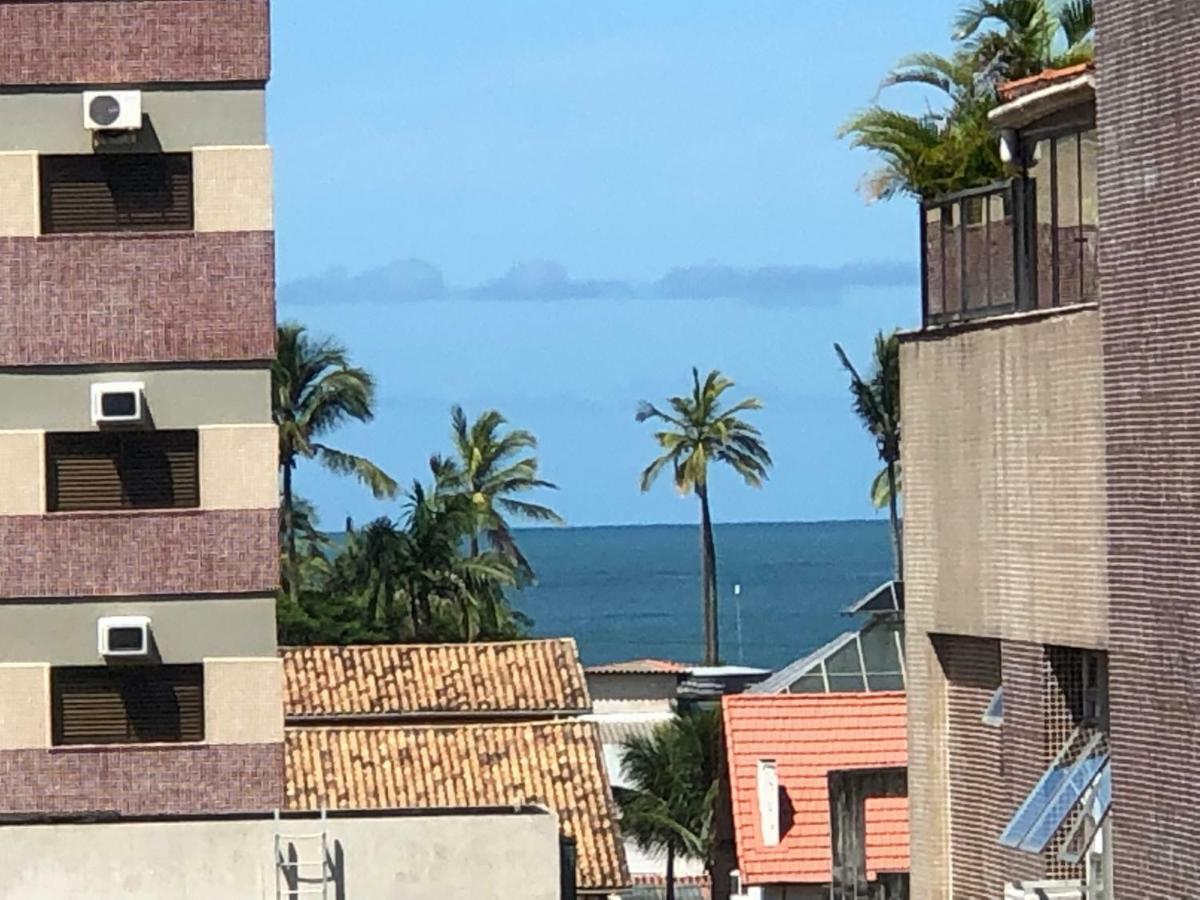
x=144 y=780
x=140 y=554
x=115 y=42
x=122 y=298
x=1149 y=118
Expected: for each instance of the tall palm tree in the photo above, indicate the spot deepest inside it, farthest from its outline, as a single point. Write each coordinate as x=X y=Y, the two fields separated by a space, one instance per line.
x=697 y=431
x=314 y=390
x=877 y=405
x=670 y=803
x=491 y=467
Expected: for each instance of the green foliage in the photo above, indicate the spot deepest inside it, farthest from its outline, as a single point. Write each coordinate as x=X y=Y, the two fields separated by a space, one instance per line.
x=490 y=469
x=699 y=430
x=424 y=576
x=670 y=804
x=951 y=146
x=314 y=390
x=876 y=402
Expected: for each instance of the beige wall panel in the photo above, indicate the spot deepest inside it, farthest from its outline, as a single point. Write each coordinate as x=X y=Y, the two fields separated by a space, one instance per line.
x=233 y=189
x=20 y=209
x=481 y=856
x=52 y=122
x=63 y=633
x=239 y=467
x=24 y=706
x=243 y=701
x=175 y=398
x=928 y=788
x=22 y=481
x=1004 y=479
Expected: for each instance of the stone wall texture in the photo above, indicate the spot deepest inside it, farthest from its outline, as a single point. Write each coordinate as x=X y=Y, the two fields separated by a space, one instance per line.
x=126 y=554
x=1149 y=116
x=137 y=298
x=115 y=42
x=143 y=780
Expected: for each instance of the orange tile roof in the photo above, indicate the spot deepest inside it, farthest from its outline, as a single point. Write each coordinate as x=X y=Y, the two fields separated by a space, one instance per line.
x=556 y=764
x=640 y=667
x=808 y=736
x=543 y=676
x=1019 y=87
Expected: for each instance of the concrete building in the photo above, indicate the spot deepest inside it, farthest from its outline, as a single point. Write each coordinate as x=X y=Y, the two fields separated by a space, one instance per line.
x=138 y=497
x=1051 y=491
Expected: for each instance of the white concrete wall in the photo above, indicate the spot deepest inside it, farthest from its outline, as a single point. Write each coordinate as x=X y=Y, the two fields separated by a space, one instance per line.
x=486 y=856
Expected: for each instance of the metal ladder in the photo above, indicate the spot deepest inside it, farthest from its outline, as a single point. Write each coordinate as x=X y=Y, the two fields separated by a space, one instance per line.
x=291 y=880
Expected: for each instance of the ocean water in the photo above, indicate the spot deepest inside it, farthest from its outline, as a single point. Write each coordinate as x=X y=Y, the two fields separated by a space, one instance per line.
x=626 y=592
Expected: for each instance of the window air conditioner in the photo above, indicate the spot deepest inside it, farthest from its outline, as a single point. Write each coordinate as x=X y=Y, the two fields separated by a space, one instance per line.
x=117 y=402
x=123 y=635
x=112 y=110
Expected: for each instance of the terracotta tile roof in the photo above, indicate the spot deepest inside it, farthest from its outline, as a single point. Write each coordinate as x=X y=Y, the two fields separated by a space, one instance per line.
x=640 y=667
x=555 y=764
x=808 y=736
x=1012 y=90
x=542 y=676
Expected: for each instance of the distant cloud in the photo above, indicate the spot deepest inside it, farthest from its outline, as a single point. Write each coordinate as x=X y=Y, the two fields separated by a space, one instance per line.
x=413 y=280
x=546 y=281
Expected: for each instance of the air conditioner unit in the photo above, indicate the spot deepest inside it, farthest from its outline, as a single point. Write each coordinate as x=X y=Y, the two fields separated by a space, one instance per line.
x=112 y=110
x=123 y=635
x=117 y=401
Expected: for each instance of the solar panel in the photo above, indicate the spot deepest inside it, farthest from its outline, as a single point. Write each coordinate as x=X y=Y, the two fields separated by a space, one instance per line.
x=1082 y=774
x=1060 y=788
x=1029 y=811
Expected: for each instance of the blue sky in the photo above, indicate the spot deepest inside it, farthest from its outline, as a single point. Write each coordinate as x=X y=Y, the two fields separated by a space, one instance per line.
x=557 y=208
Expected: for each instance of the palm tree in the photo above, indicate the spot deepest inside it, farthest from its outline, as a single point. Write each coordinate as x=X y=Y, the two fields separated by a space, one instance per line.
x=697 y=431
x=1017 y=38
x=877 y=404
x=670 y=803
x=314 y=390
x=952 y=146
x=937 y=151
x=492 y=466
x=437 y=572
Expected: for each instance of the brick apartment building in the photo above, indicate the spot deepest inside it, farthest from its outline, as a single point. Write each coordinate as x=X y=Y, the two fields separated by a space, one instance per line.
x=1052 y=487
x=138 y=488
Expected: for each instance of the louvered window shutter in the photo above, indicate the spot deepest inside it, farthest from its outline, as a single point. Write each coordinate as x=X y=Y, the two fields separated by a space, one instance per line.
x=123 y=470
x=128 y=704
x=116 y=192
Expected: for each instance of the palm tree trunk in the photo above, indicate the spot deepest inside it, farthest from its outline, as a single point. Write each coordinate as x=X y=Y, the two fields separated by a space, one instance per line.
x=670 y=872
x=708 y=577
x=894 y=516
x=289 y=525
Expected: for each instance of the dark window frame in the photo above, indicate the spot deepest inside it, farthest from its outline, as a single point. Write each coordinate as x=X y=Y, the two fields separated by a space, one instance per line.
x=104 y=193
x=135 y=453
x=127 y=705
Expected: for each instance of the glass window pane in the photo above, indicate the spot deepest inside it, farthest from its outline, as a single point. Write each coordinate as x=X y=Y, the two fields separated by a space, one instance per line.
x=1040 y=172
x=1000 y=250
x=1069 y=233
x=846 y=683
x=812 y=683
x=934 y=262
x=886 y=681
x=1089 y=153
x=880 y=653
x=845 y=661
x=1079 y=779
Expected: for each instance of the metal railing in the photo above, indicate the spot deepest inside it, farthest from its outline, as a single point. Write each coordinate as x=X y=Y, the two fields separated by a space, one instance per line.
x=972 y=254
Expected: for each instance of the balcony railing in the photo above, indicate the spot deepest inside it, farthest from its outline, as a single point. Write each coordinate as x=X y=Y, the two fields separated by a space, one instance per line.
x=1024 y=244
x=972 y=254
